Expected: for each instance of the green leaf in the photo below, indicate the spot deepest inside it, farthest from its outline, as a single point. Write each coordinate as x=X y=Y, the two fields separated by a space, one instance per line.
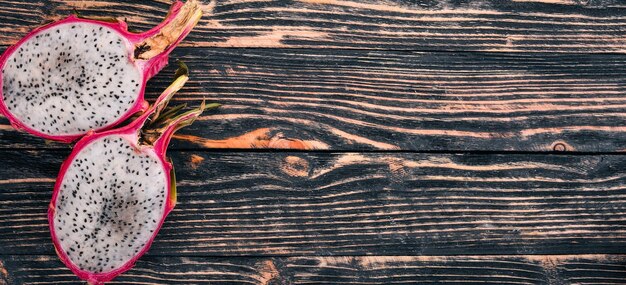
x=95 y=18
x=195 y=112
x=183 y=69
x=168 y=114
x=173 y=197
x=212 y=106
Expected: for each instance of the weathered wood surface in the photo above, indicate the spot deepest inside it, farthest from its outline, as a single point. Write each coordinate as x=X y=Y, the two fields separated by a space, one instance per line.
x=522 y=25
x=501 y=270
x=271 y=204
x=373 y=100
x=362 y=75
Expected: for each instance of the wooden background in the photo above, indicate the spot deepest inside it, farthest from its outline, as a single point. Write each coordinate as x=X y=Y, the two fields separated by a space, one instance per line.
x=368 y=142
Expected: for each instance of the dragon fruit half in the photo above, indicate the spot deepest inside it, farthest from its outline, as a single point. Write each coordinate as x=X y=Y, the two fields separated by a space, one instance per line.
x=81 y=74
x=114 y=191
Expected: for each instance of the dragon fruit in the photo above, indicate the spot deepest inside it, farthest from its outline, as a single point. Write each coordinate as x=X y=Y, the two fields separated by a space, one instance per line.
x=115 y=189
x=81 y=74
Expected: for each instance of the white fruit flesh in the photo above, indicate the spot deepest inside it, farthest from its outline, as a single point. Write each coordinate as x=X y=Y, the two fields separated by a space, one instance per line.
x=110 y=203
x=71 y=78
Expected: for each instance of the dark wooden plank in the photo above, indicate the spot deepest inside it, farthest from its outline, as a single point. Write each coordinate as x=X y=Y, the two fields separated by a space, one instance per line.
x=485 y=25
x=148 y=270
x=364 y=100
x=514 y=270
x=18 y=17
x=266 y=204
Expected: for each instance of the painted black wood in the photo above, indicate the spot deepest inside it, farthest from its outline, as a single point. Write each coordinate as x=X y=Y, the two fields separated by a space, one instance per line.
x=353 y=100
x=595 y=26
x=284 y=204
x=524 y=75
x=514 y=270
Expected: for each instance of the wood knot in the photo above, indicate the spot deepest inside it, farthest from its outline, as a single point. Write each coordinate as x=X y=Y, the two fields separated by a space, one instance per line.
x=561 y=146
x=397 y=169
x=195 y=161
x=295 y=166
x=4 y=273
x=268 y=272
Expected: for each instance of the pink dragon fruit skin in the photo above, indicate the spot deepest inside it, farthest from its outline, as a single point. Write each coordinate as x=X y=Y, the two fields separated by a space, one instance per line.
x=111 y=148
x=145 y=55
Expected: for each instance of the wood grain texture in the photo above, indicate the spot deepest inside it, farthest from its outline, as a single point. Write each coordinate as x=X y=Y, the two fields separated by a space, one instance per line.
x=501 y=270
x=18 y=17
x=486 y=25
x=365 y=75
x=389 y=100
x=285 y=204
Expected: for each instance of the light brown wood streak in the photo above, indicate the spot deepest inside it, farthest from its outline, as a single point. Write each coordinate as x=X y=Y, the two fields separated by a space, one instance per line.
x=5 y=127
x=259 y=138
x=425 y=132
x=513 y=214
x=291 y=238
x=573 y=128
x=26 y=180
x=566 y=2
x=458 y=107
x=274 y=38
x=467 y=118
x=362 y=140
